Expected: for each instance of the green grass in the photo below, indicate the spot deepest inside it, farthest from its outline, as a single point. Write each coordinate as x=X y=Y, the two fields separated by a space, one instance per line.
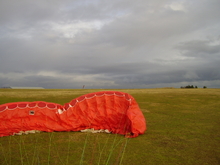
x=183 y=128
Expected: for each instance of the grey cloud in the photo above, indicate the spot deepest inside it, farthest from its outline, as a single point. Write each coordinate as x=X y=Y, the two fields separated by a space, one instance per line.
x=28 y=11
x=199 y=48
x=115 y=43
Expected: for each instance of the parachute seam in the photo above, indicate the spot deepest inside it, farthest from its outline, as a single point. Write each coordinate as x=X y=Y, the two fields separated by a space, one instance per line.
x=22 y=107
x=27 y=106
x=31 y=107
x=95 y=95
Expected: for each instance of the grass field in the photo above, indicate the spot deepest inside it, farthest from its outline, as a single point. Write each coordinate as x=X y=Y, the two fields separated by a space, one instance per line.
x=183 y=128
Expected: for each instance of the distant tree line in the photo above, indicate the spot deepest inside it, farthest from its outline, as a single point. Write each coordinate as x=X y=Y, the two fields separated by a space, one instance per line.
x=191 y=86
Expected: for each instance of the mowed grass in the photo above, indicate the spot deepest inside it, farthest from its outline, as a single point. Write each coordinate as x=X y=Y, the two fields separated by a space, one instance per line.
x=183 y=128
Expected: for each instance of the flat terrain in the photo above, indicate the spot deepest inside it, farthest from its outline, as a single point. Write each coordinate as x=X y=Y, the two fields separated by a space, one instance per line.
x=183 y=128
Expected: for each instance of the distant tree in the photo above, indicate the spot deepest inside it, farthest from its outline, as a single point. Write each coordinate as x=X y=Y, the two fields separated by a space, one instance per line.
x=189 y=86
x=204 y=87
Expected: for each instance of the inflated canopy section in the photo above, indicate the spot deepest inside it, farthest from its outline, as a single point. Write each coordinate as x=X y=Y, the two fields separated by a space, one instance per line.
x=116 y=112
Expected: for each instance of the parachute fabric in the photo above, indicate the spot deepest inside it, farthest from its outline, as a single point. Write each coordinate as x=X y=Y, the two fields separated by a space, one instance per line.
x=116 y=112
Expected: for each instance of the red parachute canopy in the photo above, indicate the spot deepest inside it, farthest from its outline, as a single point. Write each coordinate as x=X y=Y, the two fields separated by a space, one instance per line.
x=116 y=112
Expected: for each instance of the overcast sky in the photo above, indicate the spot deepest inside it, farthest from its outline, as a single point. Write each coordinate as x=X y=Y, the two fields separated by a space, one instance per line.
x=110 y=43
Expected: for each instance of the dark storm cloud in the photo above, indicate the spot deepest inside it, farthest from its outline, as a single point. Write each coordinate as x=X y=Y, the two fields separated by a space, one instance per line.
x=109 y=44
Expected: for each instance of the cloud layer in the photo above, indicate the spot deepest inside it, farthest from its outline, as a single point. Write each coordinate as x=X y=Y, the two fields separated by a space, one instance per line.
x=110 y=44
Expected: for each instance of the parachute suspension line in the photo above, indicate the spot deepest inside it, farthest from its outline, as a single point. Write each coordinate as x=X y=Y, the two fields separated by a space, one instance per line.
x=112 y=149
x=58 y=154
x=115 y=145
x=100 y=155
x=84 y=148
x=87 y=133
x=9 y=145
x=68 y=148
x=4 y=153
x=114 y=141
x=120 y=150
x=49 y=149
x=20 y=149
x=123 y=151
x=94 y=149
x=25 y=149
x=22 y=154
x=35 y=149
